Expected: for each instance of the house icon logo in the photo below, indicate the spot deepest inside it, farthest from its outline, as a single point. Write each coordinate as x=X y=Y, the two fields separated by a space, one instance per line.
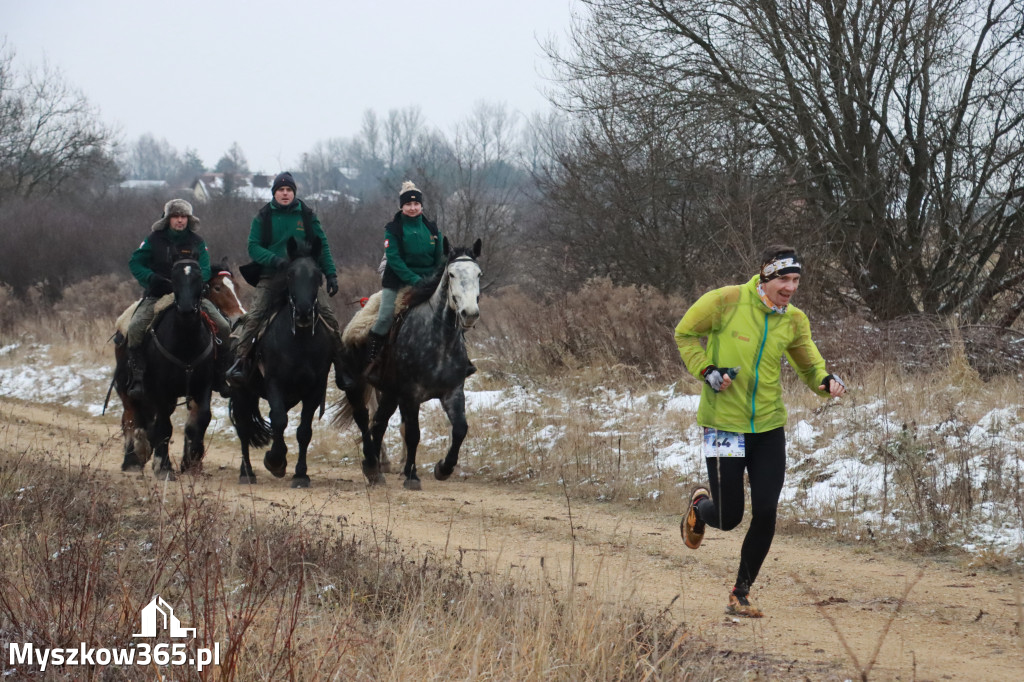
x=159 y=607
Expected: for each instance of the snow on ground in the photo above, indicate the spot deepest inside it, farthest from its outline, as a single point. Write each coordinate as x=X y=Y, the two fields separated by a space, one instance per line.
x=843 y=473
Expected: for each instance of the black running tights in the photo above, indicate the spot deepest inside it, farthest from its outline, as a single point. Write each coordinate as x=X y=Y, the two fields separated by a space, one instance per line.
x=765 y=464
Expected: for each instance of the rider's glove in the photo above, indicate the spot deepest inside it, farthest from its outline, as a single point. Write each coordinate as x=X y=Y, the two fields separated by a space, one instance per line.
x=332 y=285
x=160 y=285
x=714 y=376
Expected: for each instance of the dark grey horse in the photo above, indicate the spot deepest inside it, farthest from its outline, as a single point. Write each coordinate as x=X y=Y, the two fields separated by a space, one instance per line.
x=424 y=359
x=295 y=357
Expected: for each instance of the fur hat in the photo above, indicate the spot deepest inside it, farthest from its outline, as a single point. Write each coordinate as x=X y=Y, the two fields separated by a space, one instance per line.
x=176 y=207
x=284 y=179
x=409 y=193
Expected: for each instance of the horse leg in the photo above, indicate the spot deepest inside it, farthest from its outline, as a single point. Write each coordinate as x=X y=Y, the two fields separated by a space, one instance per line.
x=160 y=437
x=386 y=406
x=454 y=405
x=303 y=435
x=411 y=437
x=276 y=458
x=131 y=460
x=195 y=433
x=242 y=407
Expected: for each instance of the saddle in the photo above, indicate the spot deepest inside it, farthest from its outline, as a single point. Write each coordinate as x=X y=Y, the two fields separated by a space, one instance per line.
x=125 y=318
x=358 y=328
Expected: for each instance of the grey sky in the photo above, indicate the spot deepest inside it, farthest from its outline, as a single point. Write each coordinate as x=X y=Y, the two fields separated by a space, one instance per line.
x=278 y=76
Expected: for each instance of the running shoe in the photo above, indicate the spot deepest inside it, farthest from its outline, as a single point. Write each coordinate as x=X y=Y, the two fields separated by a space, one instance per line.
x=739 y=605
x=691 y=527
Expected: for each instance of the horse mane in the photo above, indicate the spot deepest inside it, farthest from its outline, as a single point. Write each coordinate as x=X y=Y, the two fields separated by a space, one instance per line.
x=425 y=288
x=279 y=281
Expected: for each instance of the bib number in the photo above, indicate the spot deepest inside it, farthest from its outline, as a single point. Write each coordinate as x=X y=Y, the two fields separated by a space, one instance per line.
x=719 y=443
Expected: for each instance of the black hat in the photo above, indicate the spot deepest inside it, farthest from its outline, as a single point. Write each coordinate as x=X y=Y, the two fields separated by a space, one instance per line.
x=409 y=193
x=284 y=179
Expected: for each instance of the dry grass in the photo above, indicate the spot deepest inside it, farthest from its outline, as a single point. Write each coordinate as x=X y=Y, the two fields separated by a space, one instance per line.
x=297 y=600
x=592 y=417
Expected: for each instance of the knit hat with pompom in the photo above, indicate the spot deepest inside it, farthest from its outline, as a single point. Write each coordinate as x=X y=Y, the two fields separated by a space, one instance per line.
x=409 y=193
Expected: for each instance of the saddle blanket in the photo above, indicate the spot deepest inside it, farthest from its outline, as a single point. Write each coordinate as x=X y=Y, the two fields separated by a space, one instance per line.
x=125 y=318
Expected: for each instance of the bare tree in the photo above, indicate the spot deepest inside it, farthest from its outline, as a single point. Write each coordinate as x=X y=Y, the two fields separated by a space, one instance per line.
x=49 y=132
x=896 y=124
x=232 y=164
x=152 y=159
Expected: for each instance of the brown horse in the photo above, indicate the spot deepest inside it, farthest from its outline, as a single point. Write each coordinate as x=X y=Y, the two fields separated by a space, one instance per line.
x=221 y=292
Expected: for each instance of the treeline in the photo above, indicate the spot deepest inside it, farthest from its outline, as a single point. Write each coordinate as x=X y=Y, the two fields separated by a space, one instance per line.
x=887 y=145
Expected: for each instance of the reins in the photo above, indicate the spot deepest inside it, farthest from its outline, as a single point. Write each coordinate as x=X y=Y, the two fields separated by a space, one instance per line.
x=189 y=367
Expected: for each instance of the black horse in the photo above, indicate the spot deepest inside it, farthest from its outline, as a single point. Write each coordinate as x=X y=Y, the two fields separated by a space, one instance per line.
x=425 y=359
x=180 y=352
x=293 y=357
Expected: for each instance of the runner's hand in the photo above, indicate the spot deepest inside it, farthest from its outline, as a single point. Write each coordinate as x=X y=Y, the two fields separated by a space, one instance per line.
x=834 y=385
x=719 y=378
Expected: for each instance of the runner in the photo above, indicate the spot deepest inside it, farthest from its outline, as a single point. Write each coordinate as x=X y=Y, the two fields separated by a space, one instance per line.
x=748 y=328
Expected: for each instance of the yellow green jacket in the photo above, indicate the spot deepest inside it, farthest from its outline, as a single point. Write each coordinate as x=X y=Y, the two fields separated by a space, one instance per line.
x=743 y=332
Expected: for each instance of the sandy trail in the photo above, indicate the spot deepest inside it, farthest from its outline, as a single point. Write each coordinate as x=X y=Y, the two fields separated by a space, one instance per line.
x=956 y=623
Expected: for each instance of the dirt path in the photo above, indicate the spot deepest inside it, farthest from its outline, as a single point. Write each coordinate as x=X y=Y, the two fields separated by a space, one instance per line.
x=955 y=624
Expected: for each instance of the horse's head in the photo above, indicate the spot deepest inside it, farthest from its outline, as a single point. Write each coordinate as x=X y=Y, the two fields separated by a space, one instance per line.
x=187 y=281
x=463 y=274
x=304 y=279
x=221 y=292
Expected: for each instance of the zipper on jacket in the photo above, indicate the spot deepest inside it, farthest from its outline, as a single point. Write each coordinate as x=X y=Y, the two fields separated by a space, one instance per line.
x=757 y=374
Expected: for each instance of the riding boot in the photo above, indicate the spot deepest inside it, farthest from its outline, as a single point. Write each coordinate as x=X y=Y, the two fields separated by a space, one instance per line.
x=137 y=367
x=220 y=371
x=236 y=374
x=373 y=357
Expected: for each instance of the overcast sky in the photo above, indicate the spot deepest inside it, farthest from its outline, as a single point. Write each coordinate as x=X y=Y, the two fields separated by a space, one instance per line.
x=276 y=77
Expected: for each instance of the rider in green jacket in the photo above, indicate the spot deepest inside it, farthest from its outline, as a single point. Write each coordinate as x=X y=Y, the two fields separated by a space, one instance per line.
x=749 y=329
x=289 y=217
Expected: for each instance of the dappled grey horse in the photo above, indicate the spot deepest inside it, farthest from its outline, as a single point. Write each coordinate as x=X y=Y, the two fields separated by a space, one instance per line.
x=425 y=358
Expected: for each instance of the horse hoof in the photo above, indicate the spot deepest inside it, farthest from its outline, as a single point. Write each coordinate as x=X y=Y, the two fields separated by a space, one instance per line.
x=247 y=480
x=439 y=472
x=300 y=482
x=412 y=484
x=385 y=467
x=277 y=470
x=132 y=468
x=373 y=474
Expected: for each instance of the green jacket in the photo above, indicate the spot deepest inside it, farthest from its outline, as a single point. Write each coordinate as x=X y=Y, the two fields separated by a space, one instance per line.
x=417 y=254
x=286 y=221
x=161 y=248
x=743 y=332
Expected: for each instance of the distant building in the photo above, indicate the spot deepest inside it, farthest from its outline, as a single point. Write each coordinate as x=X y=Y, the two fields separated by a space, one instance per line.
x=143 y=185
x=252 y=186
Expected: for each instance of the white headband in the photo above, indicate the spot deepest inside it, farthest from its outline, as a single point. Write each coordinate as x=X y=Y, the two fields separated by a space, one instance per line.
x=776 y=267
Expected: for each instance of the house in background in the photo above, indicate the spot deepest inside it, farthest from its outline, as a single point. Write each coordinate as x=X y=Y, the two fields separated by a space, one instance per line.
x=252 y=186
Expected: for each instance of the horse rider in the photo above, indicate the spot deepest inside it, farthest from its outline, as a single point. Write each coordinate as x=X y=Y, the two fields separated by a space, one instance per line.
x=172 y=238
x=284 y=216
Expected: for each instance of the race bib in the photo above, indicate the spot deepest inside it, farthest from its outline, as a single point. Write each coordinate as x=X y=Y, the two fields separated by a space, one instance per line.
x=719 y=443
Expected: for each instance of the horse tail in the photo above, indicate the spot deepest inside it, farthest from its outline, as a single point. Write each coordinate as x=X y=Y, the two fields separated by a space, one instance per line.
x=249 y=423
x=343 y=417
